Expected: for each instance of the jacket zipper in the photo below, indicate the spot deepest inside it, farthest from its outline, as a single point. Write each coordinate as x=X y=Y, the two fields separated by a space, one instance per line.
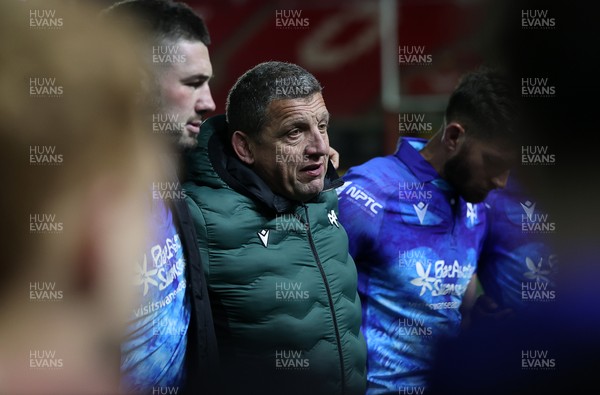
x=331 y=306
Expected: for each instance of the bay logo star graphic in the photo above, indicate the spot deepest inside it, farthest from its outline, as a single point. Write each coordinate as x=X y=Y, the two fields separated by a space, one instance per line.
x=471 y=212
x=333 y=219
x=421 y=210
x=145 y=276
x=535 y=271
x=423 y=281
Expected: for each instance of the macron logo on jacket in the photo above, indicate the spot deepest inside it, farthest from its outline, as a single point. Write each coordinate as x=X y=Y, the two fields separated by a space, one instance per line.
x=264 y=236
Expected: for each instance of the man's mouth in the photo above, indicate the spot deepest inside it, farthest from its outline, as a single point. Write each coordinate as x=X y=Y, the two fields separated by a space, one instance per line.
x=314 y=170
x=194 y=126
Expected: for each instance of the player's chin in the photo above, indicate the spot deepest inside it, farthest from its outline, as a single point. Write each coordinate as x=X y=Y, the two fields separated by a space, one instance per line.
x=187 y=142
x=310 y=189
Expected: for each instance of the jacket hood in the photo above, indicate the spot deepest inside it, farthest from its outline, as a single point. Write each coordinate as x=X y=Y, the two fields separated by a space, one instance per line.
x=214 y=163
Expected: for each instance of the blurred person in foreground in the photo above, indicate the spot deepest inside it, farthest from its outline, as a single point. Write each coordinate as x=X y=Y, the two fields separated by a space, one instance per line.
x=518 y=265
x=518 y=271
x=281 y=281
x=170 y=344
x=416 y=226
x=75 y=169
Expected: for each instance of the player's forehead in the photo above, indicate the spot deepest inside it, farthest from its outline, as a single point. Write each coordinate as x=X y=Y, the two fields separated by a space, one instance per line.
x=184 y=57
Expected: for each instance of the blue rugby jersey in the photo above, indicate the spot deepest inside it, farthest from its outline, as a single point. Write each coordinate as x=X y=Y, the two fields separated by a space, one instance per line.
x=416 y=245
x=152 y=356
x=517 y=267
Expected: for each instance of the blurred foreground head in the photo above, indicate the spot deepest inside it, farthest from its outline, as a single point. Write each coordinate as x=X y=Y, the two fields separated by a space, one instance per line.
x=75 y=172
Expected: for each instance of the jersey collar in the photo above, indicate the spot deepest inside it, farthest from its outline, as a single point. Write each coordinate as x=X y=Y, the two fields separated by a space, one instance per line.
x=408 y=153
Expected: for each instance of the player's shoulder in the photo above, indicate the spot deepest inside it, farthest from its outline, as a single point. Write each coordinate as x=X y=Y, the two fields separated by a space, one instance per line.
x=513 y=194
x=379 y=172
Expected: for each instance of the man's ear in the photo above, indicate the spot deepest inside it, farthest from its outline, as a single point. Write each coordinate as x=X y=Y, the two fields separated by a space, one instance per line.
x=242 y=146
x=453 y=136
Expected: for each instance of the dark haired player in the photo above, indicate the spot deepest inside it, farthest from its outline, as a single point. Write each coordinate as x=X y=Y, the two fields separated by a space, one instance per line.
x=416 y=227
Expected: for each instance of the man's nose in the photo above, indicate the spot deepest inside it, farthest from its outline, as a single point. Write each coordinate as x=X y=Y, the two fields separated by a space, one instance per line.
x=318 y=144
x=205 y=102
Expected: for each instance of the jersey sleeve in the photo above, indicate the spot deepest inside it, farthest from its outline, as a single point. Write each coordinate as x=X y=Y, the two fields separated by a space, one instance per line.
x=361 y=209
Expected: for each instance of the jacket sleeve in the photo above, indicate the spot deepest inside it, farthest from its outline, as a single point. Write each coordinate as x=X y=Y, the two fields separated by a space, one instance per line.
x=201 y=234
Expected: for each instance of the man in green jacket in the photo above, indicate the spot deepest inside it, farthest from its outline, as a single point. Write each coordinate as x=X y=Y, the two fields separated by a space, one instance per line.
x=282 y=284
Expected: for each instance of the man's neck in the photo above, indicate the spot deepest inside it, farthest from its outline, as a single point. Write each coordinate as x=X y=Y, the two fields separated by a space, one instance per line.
x=433 y=151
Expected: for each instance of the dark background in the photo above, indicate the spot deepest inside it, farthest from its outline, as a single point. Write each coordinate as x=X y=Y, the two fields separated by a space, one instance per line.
x=342 y=46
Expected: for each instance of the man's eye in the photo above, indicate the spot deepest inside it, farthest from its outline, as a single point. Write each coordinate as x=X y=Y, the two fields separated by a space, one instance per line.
x=294 y=133
x=195 y=84
x=323 y=126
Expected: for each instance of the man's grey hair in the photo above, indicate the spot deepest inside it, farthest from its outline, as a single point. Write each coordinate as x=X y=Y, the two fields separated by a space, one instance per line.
x=249 y=98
